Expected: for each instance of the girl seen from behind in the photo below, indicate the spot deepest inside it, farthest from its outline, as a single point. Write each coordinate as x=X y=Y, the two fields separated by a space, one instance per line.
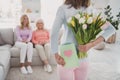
x=64 y=12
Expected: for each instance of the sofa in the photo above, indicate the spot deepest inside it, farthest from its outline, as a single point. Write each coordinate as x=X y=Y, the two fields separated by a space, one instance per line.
x=10 y=55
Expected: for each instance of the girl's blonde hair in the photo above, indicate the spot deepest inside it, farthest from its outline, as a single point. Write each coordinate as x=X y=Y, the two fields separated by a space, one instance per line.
x=22 y=21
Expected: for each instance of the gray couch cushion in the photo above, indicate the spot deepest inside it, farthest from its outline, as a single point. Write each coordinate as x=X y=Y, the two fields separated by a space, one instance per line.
x=1 y=73
x=1 y=40
x=5 y=47
x=15 y=52
x=7 y=35
x=4 y=58
x=15 y=37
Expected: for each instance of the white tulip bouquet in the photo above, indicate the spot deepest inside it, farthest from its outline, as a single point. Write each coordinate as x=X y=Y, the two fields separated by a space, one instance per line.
x=85 y=28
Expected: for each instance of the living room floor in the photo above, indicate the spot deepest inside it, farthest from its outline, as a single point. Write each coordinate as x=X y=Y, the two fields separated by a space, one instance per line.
x=38 y=74
x=103 y=65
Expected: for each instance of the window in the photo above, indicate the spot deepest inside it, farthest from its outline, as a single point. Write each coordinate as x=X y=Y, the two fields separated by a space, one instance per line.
x=10 y=11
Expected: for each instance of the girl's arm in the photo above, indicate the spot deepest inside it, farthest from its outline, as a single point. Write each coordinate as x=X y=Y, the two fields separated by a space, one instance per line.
x=55 y=33
x=55 y=30
x=109 y=30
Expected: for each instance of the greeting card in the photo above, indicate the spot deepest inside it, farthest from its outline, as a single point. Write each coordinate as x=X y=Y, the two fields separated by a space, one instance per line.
x=68 y=52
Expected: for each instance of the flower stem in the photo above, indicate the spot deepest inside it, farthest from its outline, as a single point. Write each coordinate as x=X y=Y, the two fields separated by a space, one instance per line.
x=82 y=55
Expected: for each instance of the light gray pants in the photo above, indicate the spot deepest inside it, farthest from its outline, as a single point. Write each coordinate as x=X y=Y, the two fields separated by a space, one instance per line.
x=44 y=51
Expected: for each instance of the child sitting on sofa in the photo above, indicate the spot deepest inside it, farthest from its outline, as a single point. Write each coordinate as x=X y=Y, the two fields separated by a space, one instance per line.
x=40 y=38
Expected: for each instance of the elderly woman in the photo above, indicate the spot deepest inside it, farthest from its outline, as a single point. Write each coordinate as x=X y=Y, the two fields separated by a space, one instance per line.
x=41 y=40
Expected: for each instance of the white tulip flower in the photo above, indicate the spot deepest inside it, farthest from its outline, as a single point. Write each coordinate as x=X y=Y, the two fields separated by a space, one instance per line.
x=90 y=20
x=84 y=26
x=82 y=20
x=77 y=16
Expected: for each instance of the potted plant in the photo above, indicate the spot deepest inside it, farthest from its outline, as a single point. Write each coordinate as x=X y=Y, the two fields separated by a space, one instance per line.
x=113 y=21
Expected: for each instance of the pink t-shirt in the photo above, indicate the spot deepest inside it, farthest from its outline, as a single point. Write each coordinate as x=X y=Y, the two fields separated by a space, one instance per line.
x=40 y=36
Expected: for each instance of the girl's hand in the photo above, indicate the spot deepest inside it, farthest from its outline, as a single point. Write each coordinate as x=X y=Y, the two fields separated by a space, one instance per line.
x=86 y=47
x=59 y=59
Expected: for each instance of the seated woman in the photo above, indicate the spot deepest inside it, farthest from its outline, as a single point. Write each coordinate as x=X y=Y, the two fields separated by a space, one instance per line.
x=24 y=35
x=41 y=39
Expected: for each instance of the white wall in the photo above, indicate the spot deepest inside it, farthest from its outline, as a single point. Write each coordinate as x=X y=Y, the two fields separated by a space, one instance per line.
x=115 y=4
x=101 y=4
x=48 y=11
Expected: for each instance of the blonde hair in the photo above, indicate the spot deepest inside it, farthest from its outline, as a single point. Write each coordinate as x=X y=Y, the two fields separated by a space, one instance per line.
x=22 y=21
